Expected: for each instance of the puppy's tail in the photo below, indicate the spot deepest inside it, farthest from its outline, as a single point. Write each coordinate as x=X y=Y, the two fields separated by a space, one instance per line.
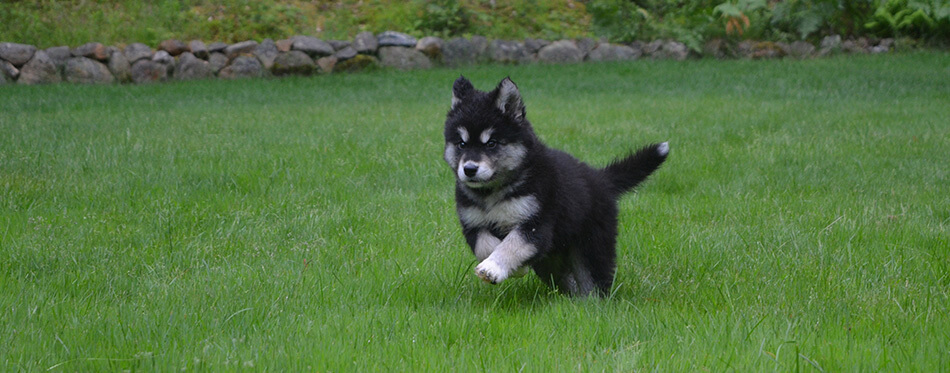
x=626 y=173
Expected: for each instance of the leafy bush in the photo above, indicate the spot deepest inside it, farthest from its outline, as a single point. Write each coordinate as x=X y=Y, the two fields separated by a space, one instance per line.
x=444 y=18
x=804 y=18
x=911 y=18
x=623 y=21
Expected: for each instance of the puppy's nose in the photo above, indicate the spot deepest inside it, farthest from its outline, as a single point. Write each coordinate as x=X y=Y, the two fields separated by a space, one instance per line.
x=470 y=169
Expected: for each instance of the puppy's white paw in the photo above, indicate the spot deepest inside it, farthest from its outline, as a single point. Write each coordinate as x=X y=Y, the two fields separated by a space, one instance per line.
x=491 y=272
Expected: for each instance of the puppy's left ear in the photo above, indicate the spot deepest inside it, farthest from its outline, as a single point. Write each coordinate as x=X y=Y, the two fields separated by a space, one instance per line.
x=461 y=90
x=509 y=100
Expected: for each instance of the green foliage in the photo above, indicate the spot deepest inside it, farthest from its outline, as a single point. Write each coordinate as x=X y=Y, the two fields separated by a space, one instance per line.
x=688 y=21
x=741 y=15
x=444 y=18
x=911 y=18
x=619 y=20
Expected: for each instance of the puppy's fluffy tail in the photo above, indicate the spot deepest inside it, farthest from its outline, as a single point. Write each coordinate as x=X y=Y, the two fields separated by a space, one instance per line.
x=626 y=173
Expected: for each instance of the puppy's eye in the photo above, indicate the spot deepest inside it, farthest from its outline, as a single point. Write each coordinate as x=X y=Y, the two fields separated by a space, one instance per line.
x=491 y=143
x=461 y=144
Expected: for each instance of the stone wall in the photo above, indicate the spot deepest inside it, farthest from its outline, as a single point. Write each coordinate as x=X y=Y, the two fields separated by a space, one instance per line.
x=305 y=55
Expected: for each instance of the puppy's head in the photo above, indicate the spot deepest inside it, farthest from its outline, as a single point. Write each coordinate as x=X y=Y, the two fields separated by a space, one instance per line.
x=486 y=134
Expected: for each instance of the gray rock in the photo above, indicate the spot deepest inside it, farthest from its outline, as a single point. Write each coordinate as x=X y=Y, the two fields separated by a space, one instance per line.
x=480 y=43
x=8 y=70
x=59 y=56
x=505 y=51
x=855 y=46
x=87 y=71
x=459 y=52
x=829 y=44
x=801 y=49
x=395 y=39
x=39 y=70
x=199 y=49
x=293 y=63
x=339 y=44
x=653 y=47
x=217 y=47
x=365 y=43
x=174 y=47
x=96 y=51
x=673 y=50
x=327 y=64
x=403 y=58
x=765 y=50
x=120 y=67
x=345 y=54
x=887 y=43
x=217 y=61
x=715 y=48
x=242 y=67
x=137 y=51
x=148 y=71
x=163 y=58
x=430 y=46
x=284 y=45
x=311 y=46
x=585 y=45
x=266 y=52
x=534 y=45
x=745 y=48
x=238 y=49
x=613 y=52
x=17 y=54
x=561 y=51
x=190 y=67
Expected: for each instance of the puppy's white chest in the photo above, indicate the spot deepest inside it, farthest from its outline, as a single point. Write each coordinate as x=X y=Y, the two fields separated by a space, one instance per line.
x=505 y=214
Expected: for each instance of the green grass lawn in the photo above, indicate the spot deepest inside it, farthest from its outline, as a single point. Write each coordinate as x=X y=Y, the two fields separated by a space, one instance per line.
x=802 y=222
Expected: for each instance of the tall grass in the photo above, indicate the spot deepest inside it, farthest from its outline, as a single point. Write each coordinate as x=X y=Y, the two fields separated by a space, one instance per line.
x=308 y=223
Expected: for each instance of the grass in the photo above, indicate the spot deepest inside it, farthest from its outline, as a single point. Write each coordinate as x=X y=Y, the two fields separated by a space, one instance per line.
x=801 y=223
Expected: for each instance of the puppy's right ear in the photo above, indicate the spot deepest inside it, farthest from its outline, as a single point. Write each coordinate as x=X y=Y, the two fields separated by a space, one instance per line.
x=461 y=90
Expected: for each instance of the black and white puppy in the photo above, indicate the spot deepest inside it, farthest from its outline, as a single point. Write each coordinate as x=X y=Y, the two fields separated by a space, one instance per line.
x=523 y=204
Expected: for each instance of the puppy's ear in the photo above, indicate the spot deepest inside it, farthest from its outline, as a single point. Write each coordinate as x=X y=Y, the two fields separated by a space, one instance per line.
x=461 y=90
x=509 y=100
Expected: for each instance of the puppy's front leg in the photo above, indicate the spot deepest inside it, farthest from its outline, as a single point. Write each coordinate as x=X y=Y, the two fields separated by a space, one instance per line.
x=510 y=255
x=485 y=244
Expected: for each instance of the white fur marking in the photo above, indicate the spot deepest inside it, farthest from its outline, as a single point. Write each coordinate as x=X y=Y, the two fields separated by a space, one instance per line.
x=455 y=101
x=663 y=149
x=450 y=154
x=505 y=214
x=485 y=244
x=464 y=134
x=484 y=173
x=486 y=135
x=508 y=257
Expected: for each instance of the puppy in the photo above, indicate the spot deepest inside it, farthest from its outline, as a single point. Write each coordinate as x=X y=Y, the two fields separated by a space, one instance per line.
x=524 y=205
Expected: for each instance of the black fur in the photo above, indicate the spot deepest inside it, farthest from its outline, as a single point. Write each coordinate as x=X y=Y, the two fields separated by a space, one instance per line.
x=574 y=227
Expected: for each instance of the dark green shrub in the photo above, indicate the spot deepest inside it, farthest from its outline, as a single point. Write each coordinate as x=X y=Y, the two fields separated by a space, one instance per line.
x=803 y=18
x=444 y=18
x=921 y=19
x=688 y=21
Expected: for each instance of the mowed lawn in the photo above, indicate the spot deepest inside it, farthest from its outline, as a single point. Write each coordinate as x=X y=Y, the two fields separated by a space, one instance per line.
x=802 y=222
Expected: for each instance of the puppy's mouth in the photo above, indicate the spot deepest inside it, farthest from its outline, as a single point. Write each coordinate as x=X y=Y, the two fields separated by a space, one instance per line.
x=476 y=183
